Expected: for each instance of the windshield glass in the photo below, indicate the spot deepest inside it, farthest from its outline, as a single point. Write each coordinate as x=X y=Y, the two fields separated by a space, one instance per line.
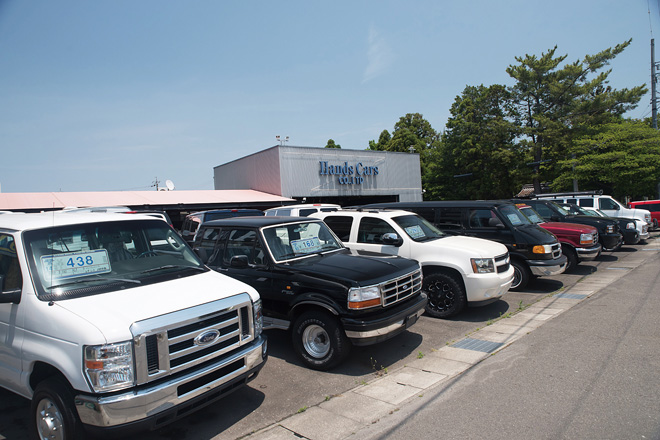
x=531 y=214
x=87 y=259
x=418 y=228
x=572 y=209
x=295 y=240
x=513 y=215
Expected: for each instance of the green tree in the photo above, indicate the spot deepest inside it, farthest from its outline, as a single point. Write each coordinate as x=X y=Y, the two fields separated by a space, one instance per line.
x=557 y=104
x=479 y=156
x=383 y=141
x=412 y=134
x=331 y=144
x=622 y=158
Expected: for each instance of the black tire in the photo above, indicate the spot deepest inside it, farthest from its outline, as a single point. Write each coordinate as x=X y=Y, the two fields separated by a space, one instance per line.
x=319 y=340
x=521 y=275
x=571 y=257
x=53 y=415
x=446 y=295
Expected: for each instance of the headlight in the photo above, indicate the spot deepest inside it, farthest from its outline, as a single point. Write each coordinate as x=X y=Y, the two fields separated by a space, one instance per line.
x=610 y=229
x=647 y=217
x=542 y=249
x=363 y=297
x=630 y=225
x=483 y=265
x=109 y=367
x=258 y=318
x=586 y=239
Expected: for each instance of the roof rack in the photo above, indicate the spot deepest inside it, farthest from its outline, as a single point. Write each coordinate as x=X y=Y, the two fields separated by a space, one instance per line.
x=597 y=192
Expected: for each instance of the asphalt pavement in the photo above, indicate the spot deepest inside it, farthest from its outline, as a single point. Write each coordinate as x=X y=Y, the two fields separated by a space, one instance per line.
x=582 y=363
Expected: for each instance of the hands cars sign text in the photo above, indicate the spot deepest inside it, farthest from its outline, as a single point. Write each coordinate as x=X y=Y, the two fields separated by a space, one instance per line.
x=348 y=174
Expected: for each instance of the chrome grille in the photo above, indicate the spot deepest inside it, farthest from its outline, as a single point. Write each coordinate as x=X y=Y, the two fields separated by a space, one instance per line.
x=502 y=263
x=180 y=340
x=401 y=288
x=556 y=250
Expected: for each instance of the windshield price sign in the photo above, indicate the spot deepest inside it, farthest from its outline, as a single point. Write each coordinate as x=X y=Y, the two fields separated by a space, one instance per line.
x=306 y=246
x=75 y=264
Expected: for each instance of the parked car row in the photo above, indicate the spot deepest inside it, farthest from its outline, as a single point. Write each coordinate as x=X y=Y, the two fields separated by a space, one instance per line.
x=115 y=322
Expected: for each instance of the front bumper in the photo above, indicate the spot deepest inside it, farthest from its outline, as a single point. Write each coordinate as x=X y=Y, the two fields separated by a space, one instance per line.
x=611 y=242
x=389 y=323
x=588 y=254
x=487 y=287
x=157 y=404
x=631 y=236
x=548 y=267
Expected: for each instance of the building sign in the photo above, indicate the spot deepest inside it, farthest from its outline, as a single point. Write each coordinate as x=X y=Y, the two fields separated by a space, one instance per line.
x=348 y=174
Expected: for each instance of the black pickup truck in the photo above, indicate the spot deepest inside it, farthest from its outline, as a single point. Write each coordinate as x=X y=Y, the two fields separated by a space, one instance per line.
x=330 y=297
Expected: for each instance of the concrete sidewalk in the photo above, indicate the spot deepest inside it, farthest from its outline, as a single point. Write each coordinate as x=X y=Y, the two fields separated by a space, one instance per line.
x=373 y=402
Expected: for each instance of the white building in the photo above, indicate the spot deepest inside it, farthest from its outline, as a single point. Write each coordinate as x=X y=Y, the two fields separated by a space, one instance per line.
x=331 y=175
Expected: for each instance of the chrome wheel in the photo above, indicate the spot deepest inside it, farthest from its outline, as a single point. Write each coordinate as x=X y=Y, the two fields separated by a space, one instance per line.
x=50 y=422
x=316 y=341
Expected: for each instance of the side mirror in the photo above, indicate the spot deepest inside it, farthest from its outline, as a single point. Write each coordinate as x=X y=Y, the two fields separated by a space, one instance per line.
x=239 y=261
x=555 y=218
x=392 y=239
x=9 y=296
x=203 y=254
x=495 y=223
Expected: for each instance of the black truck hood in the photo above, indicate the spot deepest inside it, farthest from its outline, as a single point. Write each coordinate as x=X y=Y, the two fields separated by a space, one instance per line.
x=600 y=223
x=352 y=267
x=534 y=234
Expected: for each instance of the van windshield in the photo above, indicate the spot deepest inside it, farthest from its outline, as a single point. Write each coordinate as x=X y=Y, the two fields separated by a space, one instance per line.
x=418 y=228
x=92 y=258
x=513 y=215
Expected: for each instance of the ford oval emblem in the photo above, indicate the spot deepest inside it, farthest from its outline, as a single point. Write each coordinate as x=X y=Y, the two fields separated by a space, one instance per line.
x=405 y=287
x=206 y=338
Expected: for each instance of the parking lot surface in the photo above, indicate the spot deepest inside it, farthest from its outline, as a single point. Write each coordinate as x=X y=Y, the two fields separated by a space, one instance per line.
x=284 y=398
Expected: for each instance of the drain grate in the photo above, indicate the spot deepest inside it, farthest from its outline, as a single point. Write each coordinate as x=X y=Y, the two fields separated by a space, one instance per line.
x=478 y=345
x=570 y=295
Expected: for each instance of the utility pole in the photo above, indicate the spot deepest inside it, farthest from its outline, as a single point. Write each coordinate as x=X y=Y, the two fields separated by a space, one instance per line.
x=654 y=107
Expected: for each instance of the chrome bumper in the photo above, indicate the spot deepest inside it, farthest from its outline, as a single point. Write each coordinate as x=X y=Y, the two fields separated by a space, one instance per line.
x=147 y=402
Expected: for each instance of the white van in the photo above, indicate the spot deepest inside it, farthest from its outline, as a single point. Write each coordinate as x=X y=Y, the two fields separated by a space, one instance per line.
x=110 y=322
x=303 y=210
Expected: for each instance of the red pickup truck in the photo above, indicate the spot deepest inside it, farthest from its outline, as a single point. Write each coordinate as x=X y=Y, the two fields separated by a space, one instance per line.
x=578 y=242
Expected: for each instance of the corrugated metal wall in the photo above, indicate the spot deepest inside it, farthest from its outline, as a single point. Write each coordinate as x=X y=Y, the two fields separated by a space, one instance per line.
x=350 y=173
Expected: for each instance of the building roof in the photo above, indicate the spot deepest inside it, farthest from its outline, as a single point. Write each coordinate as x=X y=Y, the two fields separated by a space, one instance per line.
x=177 y=198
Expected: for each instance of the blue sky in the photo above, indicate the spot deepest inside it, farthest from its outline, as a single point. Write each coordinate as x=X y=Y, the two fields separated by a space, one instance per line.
x=100 y=95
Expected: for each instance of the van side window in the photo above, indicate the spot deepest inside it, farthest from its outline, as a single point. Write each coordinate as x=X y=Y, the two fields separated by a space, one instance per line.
x=480 y=218
x=10 y=270
x=340 y=225
x=573 y=201
x=448 y=218
x=372 y=229
x=283 y=212
x=306 y=212
x=589 y=203
x=608 y=204
x=543 y=211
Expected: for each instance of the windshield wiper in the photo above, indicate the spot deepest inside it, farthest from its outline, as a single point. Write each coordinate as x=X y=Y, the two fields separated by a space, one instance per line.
x=173 y=266
x=96 y=278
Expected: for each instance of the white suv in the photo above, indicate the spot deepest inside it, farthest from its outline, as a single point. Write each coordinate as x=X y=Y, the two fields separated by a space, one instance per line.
x=458 y=270
x=606 y=204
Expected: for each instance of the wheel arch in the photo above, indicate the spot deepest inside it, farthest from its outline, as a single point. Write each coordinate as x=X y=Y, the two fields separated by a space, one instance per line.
x=457 y=275
x=42 y=371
